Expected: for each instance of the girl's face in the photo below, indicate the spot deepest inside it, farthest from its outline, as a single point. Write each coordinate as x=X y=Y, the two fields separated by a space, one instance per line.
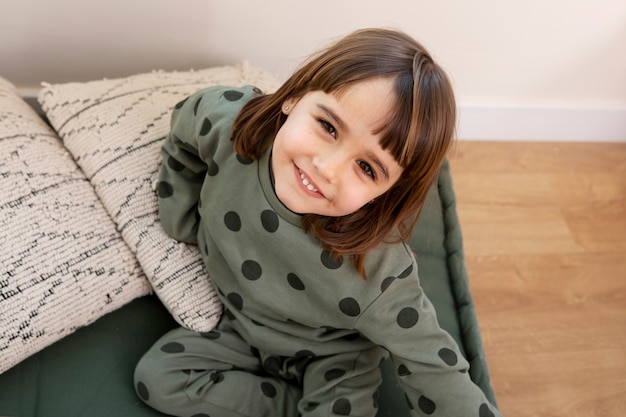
x=327 y=158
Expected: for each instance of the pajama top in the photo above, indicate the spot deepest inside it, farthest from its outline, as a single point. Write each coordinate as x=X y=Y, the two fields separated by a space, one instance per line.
x=283 y=293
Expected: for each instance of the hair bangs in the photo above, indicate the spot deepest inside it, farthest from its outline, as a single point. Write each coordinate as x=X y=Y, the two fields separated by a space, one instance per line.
x=396 y=131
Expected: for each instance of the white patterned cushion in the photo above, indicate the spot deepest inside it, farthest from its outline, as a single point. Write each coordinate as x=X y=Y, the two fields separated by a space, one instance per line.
x=62 y=262
x=115 y=129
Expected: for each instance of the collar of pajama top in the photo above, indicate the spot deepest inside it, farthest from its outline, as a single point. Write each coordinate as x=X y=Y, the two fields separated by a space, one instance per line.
x=267 y=184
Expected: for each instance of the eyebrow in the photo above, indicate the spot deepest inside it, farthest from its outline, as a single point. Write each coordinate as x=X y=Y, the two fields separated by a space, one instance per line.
x=381 y=166
x=343 y=126
x=331 y=114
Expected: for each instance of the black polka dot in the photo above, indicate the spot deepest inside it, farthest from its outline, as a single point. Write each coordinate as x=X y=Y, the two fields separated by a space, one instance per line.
x=201 y=415
x=244 y=160
x=213 y=335
x=426 y=405
x=213 y=169
x=386 y=283
x=251 y=270
x=173 y=347
x=232 y=221
x=181 y=103
x=406 y=272
x=408 y=317
x=350 y=307
x=268 y=389
x=304 y=354
x=403 y=370
x=342 y=407
x=175 y=164
x=236 y=300
x=165 y=189
x=484 y=411
x=329 y=261
x=269 y=219
x=334 y=374
x=272 y=365
x=142 y=391
x=206 y=127
x=295 y=282
x=217 y=377
x=196 y=105
x=448 y=356
x=233 y=95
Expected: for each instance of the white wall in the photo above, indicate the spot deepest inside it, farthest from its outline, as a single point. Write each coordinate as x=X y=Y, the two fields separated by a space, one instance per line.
x=530 y=70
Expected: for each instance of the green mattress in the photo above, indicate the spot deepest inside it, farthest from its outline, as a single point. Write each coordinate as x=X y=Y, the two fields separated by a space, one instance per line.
x=90 y=372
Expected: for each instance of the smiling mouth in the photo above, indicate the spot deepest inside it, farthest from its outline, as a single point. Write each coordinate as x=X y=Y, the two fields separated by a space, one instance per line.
x=306 y=183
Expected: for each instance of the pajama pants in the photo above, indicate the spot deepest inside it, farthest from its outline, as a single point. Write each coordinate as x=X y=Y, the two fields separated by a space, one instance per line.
x=218 y=374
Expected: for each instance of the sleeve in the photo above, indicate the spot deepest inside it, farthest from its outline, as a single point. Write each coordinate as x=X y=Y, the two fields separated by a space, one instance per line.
x=427 y=361
x=199 y=125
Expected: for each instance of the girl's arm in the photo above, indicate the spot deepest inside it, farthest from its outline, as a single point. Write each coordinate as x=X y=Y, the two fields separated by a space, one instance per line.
x=427 y=361
x=201 y=124
x=181 y=175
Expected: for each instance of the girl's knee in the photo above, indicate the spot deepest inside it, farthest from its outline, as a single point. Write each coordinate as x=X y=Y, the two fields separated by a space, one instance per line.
x=159 y=387
x=146 y=379
x=143 y=377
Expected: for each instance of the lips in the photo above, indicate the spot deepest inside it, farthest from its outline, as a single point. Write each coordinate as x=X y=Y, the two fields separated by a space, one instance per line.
x=308 y=184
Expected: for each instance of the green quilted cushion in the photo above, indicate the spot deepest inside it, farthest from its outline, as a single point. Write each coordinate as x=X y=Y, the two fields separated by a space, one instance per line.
x=90 y=372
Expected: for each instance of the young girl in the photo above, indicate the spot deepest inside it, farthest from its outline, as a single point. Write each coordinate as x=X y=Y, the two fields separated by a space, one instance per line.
x=300 y=202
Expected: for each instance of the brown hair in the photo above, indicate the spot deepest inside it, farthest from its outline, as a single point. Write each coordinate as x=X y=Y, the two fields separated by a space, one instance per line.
x=418 y=133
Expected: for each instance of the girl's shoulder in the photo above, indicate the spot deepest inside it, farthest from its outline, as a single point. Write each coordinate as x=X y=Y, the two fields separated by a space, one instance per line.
x=227 y=94
x=216 y=99
x=211 y=109
x=391 y=260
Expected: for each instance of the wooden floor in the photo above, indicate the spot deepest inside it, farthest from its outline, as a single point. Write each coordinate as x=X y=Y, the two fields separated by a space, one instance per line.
x=544 y=227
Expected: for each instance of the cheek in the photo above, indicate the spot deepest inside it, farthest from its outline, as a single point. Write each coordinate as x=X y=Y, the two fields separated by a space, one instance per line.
x=298 y=128
x=287 y=137
x=281 y=146
x=354 y=197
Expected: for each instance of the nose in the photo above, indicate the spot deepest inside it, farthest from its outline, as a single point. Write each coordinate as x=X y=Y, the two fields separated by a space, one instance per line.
x=329 y=163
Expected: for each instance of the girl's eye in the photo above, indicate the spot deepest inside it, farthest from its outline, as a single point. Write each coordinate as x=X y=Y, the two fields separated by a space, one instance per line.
x=367 y=169
x=328 y=127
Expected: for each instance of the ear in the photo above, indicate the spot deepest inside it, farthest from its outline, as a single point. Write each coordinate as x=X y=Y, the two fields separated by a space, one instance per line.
x=288 y=105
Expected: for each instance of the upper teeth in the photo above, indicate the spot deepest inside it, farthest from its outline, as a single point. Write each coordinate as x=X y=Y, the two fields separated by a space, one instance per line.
x=306 y=183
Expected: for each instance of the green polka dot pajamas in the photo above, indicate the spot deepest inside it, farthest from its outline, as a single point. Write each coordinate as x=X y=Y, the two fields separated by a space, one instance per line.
x=302 y=334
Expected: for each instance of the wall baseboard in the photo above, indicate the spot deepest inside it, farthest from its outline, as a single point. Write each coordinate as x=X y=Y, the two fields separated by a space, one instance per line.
x=520 y=123
x=541 y=123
